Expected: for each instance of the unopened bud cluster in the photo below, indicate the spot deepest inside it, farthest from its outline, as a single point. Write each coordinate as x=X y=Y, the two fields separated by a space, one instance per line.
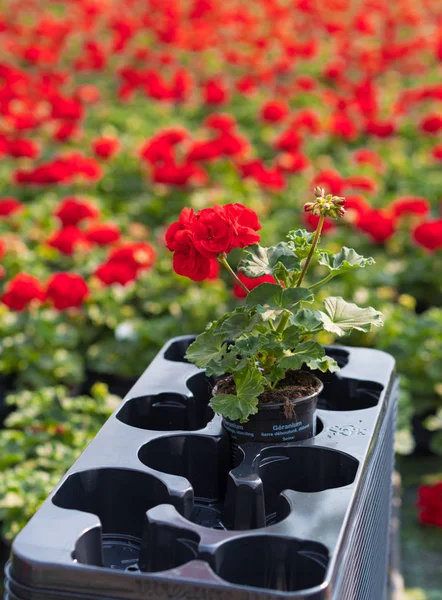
x=326 y=205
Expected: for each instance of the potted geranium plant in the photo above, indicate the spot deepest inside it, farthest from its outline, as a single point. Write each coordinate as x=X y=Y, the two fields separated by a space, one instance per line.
x=263 y=353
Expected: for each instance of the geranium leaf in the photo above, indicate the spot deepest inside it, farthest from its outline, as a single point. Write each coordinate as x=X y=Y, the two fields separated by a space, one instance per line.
x=345 y=260
x=293 y=296
x=301 y=354
x=249 y=385
x=326 y=363
x=300 y=241
x=207 y=350
x=239 y=322
x=341 y=317
x=268 y=261
x=308 y=320
x=266 y=294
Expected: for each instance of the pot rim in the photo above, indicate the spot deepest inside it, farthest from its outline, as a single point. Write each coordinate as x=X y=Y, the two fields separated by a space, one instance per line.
x=295 y=401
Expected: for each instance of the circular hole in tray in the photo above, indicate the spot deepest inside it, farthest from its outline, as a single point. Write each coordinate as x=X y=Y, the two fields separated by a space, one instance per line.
x=121 y=552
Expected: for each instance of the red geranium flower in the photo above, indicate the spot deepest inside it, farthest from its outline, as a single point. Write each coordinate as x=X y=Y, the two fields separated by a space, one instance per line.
x=437 y=152
x=356 y=203
x=68 y=239
x=307 y=119
x=69 y=109
x=115 y=271
x=432 y=123
x=105 y=147
x=274 y=111
x=103 y=234
x=268 y=178
x=215 y=92
x=197 y=239
x=65 y=131
x=289 y=140
x=381 y=129
x=342 y=126
x=250 y=283
x=220 y=122
x=21 y=290
x=331 y=180
x=378 y=224
x=245 y=224
x=292 y=162
x=73 y=209
x=180 y=175
x=66 y=290
x=364 y=156
x=19 y=148
x=140 y=254
x=360 y=182
x=410 y=205
x=176 y=236
x=9 y=206
x=430 y=504
x=214 y=270
x=212 y=232
x=429 y=235
x=192 y=264
x=312 y=221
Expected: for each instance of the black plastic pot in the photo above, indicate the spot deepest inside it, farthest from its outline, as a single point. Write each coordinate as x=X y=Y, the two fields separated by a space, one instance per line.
x=154 y=509
x=270 y=425
x=421 y=435
x=7 y=386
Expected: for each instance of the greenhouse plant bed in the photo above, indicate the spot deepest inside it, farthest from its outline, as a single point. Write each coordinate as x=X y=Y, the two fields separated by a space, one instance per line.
x=154 y=509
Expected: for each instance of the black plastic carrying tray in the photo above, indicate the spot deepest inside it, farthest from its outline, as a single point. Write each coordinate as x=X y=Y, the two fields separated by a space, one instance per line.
x=153 y=508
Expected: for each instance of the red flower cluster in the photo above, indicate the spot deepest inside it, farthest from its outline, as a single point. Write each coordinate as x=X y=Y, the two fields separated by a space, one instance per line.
x=66 y=290
x=198 y=238
x=21 y=291
x=126 y=262
x=105 y=147
x=63 y=291
x=73 y=209
x=71 y=212
x=10 y=206
x=65 y=169
x=430 y=504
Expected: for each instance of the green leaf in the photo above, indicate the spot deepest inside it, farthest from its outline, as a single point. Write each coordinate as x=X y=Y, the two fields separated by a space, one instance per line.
x=301 y=354
x=266 y=294
x=345 y=260
x=239 y=322
x=249 y=385
x=326 y=363
x=268 y=261
x=308 y=320
x=341 y=317
x=249 y=345
x=274 y=299
x=300 y=241
x=207 y=348
x=293 y=296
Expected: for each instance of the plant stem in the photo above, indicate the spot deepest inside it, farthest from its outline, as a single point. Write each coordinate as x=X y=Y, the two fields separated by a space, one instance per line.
x=283 y=322
x=325 y=280
x=223 y=260
x=312 y=250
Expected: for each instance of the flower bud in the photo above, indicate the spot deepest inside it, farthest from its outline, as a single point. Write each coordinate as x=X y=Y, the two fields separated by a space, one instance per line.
x=326 y=205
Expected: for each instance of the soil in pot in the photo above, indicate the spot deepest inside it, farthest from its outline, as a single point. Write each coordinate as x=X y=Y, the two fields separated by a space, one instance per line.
x=286 y=414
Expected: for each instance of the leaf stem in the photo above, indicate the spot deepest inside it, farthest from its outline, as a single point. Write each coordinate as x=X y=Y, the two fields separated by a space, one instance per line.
x=325 y=280
x=222 y=258
x=283 y=322
x=312 y=250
